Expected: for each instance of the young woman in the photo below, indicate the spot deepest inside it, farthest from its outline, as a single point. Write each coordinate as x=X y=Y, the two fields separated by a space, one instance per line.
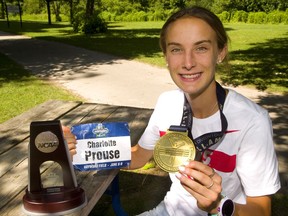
x=242 y=155
x=237 y=169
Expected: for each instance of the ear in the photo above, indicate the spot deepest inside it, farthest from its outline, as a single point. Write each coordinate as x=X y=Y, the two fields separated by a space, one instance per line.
x=166 y=60
x=222 y=54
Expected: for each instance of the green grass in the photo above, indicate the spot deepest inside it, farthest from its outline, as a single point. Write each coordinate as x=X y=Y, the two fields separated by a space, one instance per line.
x=20 y=91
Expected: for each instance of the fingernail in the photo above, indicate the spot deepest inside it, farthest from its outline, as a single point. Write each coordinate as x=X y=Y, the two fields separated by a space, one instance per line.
x=181 y=168
x=186 y=163
x=178 y=175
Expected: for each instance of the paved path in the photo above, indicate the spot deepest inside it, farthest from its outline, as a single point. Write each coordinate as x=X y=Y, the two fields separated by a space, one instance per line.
x=97 y=77
x=102 y=78
x=94 y=76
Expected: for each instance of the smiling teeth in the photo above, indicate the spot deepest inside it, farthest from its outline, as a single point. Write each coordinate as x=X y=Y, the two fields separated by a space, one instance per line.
x=190 y=76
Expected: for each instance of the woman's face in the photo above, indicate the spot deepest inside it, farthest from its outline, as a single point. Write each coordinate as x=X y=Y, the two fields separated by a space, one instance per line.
x=192 y=54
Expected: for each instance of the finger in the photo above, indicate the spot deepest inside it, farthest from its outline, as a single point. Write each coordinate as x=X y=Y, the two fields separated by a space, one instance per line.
x=201 y=167
x=200 y=183
x=207 y=199
x=72 y=153
x=201 y=176
x=71 y=146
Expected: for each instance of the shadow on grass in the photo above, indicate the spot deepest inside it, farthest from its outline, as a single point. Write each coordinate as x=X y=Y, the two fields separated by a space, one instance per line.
x=11 y=71
x=30 y=26
x=263 y=65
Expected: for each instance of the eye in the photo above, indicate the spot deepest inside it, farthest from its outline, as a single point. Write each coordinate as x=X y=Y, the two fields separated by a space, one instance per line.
x=175 y=50
x=201 y=49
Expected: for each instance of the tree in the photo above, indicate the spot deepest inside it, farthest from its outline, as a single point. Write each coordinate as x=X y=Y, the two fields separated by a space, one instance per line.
x=89 y=8
x=56 y=9
x=2 y=12
x=48 y=11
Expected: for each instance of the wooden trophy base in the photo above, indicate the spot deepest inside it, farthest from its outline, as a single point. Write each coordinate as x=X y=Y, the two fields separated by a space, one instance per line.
x=54 y=201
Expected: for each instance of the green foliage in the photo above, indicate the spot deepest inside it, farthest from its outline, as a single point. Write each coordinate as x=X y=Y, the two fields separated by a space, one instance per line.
x=276 y=17
x=91 y=25
x=34 y=7
x=240 y=16
x=251 y=11
x=224 y=16
x=257 y=17
x=94 y=25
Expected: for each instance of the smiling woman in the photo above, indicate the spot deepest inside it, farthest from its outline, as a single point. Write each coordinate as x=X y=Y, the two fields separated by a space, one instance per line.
x=194 y=41
x=21 y=91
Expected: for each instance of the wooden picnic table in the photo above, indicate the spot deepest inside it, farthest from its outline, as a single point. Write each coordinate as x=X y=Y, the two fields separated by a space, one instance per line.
x=14 y=139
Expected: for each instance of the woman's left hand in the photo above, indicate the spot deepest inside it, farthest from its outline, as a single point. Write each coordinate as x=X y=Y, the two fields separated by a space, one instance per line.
x=203 y=183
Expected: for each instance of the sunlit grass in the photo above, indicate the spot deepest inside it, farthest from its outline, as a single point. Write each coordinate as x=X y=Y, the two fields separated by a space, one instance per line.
x=20 y=91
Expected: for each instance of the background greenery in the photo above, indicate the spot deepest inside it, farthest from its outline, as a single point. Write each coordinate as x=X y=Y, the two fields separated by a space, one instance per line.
x=87 y=15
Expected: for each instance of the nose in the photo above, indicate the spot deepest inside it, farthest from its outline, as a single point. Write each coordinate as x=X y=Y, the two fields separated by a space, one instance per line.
x=189 y=61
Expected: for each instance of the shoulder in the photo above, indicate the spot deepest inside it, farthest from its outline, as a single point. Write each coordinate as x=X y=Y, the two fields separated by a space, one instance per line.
x=170 y=98
x=243 y=113
x=169 y=107
x=239 y=103
x=172 y=94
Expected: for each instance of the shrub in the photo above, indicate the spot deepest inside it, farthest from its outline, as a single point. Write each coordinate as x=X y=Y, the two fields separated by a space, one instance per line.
x=240 y=16
x=94 y=25
x=257 y=17
x=108 y=16
x=276 y=17
x=140 y=16
x=156 y=16
x=224 y=16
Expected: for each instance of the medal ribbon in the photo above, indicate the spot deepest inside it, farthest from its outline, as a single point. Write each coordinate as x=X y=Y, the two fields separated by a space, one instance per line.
x=206 y=140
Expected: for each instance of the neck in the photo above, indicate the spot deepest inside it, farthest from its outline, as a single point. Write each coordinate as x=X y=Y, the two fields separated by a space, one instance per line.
x=204 y=105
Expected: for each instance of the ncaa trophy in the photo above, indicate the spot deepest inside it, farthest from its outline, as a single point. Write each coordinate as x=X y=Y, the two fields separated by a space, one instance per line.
x=47 y=144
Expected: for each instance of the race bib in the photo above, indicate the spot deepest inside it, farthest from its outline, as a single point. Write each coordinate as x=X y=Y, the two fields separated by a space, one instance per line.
x=102 y=146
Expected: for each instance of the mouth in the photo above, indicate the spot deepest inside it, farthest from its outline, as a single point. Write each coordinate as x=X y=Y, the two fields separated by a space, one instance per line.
x=191 y=76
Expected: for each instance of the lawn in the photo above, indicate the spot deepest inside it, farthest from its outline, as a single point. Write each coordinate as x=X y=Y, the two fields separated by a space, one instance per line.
x=19 y=91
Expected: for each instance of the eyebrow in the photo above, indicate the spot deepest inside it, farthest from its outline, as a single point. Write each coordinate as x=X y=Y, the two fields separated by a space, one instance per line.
x=203 y=41
x=197 y=43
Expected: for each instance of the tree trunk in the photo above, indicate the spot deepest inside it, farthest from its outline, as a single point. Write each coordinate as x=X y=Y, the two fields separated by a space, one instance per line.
x=49 y=11
x=89 y=8
x=71 y=11
x=2 y=13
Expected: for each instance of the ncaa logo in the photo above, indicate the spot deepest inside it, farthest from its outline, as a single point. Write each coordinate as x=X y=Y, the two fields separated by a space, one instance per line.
x=46 y=142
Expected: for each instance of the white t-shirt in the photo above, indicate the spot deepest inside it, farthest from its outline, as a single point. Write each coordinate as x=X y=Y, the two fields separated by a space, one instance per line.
x=245 y=158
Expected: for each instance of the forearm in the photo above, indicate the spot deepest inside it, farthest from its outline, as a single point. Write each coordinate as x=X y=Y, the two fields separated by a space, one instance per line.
x=139 y=157
x=256 y=206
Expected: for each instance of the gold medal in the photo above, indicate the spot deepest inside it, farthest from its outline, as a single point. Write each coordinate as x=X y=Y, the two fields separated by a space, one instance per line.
x=172 y=150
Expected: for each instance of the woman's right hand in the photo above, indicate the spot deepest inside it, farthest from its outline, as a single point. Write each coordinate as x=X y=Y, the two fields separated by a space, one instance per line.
x=70 y=140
